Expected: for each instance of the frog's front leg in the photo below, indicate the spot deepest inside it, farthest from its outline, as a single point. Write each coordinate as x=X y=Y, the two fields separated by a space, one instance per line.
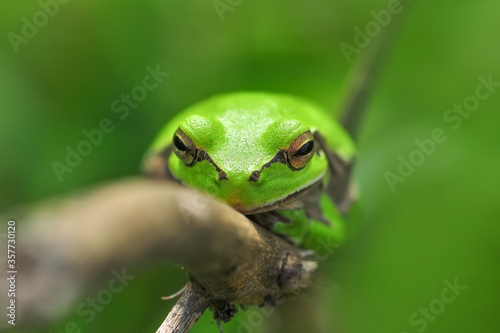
x=317 y=225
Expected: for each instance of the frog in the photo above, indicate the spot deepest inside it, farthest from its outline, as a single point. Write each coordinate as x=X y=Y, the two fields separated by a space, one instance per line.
x=282 y=161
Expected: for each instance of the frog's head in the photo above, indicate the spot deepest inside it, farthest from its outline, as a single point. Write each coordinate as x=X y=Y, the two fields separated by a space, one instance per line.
x=253 y=151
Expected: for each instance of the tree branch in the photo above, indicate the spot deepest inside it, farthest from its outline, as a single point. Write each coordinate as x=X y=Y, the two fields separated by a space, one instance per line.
x=65 y=244
x=187 y=310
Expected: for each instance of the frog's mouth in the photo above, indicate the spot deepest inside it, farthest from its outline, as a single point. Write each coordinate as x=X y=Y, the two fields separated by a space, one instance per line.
x=292 y=200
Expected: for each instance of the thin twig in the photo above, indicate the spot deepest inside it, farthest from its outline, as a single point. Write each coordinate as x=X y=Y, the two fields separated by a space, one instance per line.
x=174 y=295
x=187 y=310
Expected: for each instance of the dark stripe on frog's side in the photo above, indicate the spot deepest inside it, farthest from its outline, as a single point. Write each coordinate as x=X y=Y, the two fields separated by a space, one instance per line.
x=338 y=188
x=156 y=165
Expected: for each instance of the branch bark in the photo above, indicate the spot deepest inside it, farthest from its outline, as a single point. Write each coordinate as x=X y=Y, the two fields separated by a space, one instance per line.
x=187 y=310
x=66 y=243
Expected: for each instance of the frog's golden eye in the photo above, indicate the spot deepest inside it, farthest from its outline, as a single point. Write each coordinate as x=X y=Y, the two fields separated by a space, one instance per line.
x=184 y=147
x=301 y=151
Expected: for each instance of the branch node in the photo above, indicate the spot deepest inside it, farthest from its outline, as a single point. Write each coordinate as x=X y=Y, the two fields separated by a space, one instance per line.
x=224 y=311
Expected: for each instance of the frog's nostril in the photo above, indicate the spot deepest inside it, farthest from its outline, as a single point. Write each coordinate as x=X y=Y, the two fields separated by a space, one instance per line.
x=254 y=177
x=222 y=175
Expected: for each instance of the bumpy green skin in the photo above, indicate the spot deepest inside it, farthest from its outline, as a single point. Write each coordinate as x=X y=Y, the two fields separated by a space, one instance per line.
x=243 y=131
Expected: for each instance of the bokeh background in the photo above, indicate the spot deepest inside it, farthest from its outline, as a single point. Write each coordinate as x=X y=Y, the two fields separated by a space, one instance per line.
x=440 y=224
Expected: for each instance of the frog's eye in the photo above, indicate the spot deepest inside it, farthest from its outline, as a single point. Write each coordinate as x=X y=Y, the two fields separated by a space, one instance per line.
x=301 y=151
x=184 y=147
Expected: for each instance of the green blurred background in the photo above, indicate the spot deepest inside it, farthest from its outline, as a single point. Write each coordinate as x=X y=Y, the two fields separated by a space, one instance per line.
x=440 y=224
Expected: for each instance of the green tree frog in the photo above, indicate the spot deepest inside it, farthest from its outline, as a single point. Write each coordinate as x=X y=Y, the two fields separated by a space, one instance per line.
x=281 y=160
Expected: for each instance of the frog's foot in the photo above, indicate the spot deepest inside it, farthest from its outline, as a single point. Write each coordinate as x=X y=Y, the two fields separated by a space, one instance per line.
x=314 y=211
x=269 y=219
